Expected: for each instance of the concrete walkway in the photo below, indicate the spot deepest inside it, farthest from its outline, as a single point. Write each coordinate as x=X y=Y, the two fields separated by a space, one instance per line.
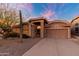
x=54 y=47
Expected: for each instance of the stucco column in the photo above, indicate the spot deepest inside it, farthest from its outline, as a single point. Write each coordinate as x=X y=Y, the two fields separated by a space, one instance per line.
x=69 y=33
x=30 y=27
x=42 y=29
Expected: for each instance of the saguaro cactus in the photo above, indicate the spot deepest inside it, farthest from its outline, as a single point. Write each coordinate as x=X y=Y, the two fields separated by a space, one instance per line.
x=21 y=27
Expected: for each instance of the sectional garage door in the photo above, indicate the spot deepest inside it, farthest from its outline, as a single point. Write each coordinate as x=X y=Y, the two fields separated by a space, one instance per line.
x=57 y=33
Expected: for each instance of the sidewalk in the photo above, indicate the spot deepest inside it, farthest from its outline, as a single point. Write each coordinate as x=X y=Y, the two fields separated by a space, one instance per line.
x=54 y=47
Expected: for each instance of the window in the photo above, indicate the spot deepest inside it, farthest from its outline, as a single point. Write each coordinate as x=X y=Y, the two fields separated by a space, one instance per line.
x=76 y=30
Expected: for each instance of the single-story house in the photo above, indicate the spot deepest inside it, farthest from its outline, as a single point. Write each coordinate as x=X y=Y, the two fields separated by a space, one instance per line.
x=41 y=27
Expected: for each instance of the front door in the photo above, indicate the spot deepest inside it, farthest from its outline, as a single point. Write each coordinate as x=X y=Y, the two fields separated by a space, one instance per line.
x=36 y=30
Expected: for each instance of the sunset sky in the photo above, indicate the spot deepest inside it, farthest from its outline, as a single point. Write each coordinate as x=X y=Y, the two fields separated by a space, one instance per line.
x=52 y=11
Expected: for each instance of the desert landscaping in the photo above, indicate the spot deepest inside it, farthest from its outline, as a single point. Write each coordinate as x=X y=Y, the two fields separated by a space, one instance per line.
x=14 y=47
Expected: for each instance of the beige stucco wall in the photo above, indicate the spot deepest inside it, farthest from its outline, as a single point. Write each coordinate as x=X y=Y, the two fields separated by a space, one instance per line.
x=57 y=25
x=25 y=29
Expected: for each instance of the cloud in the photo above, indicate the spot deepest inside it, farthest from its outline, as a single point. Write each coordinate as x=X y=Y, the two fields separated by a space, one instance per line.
x=48 y=12
x=20 y=6
x=26 y=6
x=27 y=9
x=50 y=15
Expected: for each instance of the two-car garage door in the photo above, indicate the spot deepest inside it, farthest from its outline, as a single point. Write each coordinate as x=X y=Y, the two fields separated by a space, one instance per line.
x=57 y=33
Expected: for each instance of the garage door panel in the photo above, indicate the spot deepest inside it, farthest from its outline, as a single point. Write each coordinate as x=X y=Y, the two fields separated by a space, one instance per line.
x=57 y=33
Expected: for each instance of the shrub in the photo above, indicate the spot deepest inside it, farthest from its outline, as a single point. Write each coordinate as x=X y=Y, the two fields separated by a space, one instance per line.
x=25 y=36
x=13 y=34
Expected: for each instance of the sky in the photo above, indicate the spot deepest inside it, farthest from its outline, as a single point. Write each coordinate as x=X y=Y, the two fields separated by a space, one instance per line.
x=51 y=11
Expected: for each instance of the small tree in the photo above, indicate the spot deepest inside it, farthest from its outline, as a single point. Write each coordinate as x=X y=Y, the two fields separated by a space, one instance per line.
x=8 y=17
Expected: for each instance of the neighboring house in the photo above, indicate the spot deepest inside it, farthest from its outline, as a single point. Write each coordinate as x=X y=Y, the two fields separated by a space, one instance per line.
x=75 y=26
x=40 y=27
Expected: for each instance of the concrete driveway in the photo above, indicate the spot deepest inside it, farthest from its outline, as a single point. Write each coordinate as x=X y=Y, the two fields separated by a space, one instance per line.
x=54 y=47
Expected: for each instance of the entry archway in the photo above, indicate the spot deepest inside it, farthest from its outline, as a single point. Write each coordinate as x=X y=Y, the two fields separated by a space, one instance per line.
x=40 y=27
